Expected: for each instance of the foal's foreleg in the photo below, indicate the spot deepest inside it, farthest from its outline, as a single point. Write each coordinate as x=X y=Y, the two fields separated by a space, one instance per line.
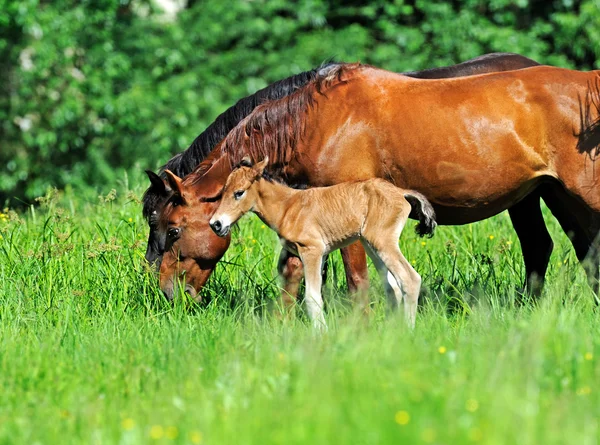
x=313 y=260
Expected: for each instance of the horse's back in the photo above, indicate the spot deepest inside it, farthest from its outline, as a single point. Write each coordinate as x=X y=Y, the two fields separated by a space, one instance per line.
x=488 y=63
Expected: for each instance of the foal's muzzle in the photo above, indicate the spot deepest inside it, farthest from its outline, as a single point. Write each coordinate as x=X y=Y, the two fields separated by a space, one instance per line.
x=219 y=228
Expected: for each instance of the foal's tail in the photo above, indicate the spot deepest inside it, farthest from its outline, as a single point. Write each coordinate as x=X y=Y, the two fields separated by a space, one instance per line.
x=423 y=211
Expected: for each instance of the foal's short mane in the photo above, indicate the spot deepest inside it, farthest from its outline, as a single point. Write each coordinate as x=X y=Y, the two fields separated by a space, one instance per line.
x=274 y=128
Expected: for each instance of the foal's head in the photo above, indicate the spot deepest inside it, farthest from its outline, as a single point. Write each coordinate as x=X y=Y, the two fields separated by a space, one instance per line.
x=239 y=196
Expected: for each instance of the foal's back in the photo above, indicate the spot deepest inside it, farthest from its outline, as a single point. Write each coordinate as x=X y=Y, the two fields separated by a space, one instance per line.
x=344 y=210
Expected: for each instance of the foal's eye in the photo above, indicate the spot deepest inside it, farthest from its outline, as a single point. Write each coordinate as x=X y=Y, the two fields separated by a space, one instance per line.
x=238 y=195
x=173 y=233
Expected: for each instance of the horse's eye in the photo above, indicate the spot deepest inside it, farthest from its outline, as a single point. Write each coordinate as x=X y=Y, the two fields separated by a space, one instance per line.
x=239 y=194
x=173 y=233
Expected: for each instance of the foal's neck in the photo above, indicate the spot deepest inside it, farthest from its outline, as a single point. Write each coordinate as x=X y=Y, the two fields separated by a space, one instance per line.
x=273 y=202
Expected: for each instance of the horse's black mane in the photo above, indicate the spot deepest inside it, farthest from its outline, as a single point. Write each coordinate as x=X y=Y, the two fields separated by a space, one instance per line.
x=185 y=162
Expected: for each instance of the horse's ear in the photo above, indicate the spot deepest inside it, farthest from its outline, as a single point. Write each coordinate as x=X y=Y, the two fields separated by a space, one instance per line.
x=260 y=166
x=246 y=162
x=158 y=184
x=175 y=182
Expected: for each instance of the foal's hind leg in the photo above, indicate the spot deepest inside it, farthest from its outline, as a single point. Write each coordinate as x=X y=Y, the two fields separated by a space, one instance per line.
x=392 y=292
x=408 y=281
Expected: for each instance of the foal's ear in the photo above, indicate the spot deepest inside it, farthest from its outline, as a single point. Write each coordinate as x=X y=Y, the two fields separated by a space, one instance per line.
x=246 y=162
x=159 y=185
x=260 y=166
x=175 y=182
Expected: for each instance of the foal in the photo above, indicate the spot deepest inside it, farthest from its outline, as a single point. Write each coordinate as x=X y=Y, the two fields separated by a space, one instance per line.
x=313 y=222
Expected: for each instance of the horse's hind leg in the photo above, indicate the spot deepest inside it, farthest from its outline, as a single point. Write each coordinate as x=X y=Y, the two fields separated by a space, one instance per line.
x=581 y=225
x=536 y=244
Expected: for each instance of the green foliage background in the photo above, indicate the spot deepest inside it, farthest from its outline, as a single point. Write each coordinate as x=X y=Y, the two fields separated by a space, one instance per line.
x=90 y=89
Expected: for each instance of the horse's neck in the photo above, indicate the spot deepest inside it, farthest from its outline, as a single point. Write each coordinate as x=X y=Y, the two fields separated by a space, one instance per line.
x=273 y=202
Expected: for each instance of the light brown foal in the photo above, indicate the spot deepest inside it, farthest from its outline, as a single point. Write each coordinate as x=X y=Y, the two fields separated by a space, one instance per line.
x=313 y=222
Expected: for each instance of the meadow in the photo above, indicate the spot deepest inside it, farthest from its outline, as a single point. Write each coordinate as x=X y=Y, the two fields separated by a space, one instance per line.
x=90 y=352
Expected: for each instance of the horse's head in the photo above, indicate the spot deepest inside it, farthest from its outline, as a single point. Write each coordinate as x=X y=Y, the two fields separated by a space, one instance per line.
x=155 y=199
x=191 y=248
x=238 y=196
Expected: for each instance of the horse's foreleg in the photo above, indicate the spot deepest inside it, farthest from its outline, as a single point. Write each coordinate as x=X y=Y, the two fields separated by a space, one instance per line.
x=357 y=274
x=536 y=244
x=290 y=270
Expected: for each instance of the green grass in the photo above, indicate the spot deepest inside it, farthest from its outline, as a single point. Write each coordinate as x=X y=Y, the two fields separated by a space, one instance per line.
x=91 y=353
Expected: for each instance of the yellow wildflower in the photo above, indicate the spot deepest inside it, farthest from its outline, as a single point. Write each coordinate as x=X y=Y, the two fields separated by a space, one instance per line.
x=262 y=226
x=472 y=405
x=157 y=432
x=130 y=220
x=402 y=417
x=196 y=437
x=584 y=391
x=442 y=349
x=128 y=424
x=491 y=237
x=588 y=355
x=423 y=243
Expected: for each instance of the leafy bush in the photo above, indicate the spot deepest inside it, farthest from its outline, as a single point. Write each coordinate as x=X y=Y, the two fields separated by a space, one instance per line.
x=91 y=89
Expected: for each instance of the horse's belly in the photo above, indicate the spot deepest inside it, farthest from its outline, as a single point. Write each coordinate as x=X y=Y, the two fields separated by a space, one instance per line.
x=460 y=193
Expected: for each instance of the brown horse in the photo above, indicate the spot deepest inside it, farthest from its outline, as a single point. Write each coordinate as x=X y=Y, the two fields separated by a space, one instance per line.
x=474 y=146
x=526 y=215
x=311 y=223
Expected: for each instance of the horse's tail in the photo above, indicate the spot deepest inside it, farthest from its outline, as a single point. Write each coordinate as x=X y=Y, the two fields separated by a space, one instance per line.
x=423 y=211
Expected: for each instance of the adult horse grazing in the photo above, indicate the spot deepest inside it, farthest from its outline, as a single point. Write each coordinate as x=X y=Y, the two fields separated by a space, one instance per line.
x=313 y=222
x=474 y=146
x=526 y=215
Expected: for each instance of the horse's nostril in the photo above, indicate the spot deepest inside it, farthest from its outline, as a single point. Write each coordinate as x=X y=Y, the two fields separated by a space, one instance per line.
x=217 y=226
